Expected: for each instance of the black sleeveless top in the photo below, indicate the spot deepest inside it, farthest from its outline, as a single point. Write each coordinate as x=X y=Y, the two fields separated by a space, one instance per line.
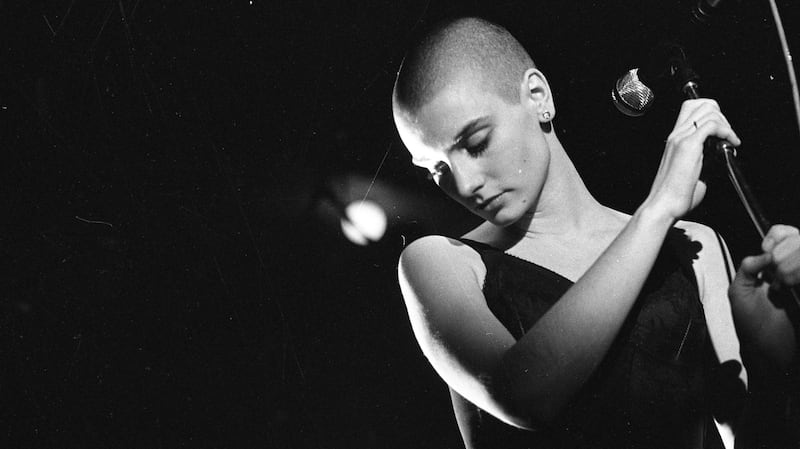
x=649 y=392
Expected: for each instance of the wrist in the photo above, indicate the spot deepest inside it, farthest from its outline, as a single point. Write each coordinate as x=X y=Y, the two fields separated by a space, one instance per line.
x=654 y=218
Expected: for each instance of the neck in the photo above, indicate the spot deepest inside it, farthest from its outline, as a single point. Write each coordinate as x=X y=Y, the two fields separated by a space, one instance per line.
x=565 y=206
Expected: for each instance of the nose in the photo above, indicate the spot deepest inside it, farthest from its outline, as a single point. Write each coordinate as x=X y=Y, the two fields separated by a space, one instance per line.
x=468 y=178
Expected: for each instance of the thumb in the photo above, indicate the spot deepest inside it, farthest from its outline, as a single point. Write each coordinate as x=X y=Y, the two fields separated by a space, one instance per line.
x=698 y=194
x=753 y=265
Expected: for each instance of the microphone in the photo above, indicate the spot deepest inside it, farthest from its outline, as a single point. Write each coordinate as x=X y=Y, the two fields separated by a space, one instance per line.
x=630 y=95
x=634 y=92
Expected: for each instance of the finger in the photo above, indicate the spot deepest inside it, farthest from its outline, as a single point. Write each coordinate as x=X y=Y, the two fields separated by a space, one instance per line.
x=714 y=117
x=786 y=257
x=713 y=127
x=691 y=138
x=776 y=234
x=698 y=128
x=698 y=194
x=693 y=114
x=709 y=112
x=785 y=247
x=788 y=273
x=708 y=108
x=752 y=265
x=720 y=129
x=713 y=111
x=689 y=107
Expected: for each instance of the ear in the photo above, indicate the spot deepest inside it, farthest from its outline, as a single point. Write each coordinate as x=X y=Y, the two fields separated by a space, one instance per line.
x=535 y=92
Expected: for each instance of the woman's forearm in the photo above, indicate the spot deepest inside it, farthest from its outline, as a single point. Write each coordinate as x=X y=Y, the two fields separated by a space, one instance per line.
x=548 y=365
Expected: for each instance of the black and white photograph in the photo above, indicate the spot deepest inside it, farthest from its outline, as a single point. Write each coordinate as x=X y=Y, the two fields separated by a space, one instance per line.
x=400 y=224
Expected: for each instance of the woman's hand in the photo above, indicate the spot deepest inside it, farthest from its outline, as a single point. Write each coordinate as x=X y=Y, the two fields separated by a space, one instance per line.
x=677 y=188
x=756 y=291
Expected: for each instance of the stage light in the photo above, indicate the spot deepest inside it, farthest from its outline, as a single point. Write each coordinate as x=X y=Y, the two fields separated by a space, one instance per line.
x=363 y=222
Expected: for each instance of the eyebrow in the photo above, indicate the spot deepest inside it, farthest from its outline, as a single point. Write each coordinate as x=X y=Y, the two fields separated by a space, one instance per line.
x=469 y=128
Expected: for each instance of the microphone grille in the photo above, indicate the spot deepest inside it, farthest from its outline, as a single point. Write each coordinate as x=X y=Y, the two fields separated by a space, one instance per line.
x=630 y=95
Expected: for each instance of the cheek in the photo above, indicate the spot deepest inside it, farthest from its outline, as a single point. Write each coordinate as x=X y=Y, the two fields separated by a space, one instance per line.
x=526 y=158
x=527 y=143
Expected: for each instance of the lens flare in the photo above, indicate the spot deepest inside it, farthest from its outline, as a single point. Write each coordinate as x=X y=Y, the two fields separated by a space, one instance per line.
x=364 y=222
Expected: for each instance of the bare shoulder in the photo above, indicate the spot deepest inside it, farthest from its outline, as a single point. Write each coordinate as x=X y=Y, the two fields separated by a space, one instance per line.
x=438 y=244
x=712 y=264
x=441 y=260
x=697 y=231
x=714 y=270
x=712 y=251
x=441 y=280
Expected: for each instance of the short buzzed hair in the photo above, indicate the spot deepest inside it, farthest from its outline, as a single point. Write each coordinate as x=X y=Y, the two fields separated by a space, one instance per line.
x=469 y=46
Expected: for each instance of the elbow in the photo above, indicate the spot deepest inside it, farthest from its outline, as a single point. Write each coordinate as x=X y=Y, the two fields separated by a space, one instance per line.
x=493 y=396
x=522 y=406
x=521 y=420
x=514 y=413
x=509 y=399
x=533 y=411
x=533 y=388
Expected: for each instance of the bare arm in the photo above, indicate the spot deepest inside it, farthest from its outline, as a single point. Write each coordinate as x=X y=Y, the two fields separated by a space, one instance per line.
x=559 y=353
x=713 y=268
x=531 y=380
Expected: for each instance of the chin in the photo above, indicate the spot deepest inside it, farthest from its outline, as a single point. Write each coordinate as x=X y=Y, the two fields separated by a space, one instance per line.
x=504 y=217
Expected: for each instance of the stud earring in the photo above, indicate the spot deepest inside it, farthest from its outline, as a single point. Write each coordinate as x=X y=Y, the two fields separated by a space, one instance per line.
x=546 y=116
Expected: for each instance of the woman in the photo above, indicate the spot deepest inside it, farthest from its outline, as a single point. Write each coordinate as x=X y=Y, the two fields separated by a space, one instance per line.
x=581 y=325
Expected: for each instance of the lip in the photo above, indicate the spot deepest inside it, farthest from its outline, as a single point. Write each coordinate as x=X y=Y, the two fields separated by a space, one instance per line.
x=486 y=204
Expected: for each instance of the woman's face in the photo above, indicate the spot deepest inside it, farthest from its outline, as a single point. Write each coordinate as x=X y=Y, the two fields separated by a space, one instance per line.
x=490 y=156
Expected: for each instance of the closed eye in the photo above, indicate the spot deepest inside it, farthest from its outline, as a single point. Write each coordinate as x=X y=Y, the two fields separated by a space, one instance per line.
x=478 y=143
x=478 y=149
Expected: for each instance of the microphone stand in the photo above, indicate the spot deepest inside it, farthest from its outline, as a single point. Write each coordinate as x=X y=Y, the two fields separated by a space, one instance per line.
x=726 y=152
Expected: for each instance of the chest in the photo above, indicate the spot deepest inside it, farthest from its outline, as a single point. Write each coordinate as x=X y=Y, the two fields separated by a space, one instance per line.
x=650 y=387
x=569 y=258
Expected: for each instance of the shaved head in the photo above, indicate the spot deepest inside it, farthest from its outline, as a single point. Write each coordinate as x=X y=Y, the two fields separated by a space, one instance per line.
x=461 y=50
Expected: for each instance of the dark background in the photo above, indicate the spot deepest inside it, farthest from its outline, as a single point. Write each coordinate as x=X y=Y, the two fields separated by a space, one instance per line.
x=173 y=272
